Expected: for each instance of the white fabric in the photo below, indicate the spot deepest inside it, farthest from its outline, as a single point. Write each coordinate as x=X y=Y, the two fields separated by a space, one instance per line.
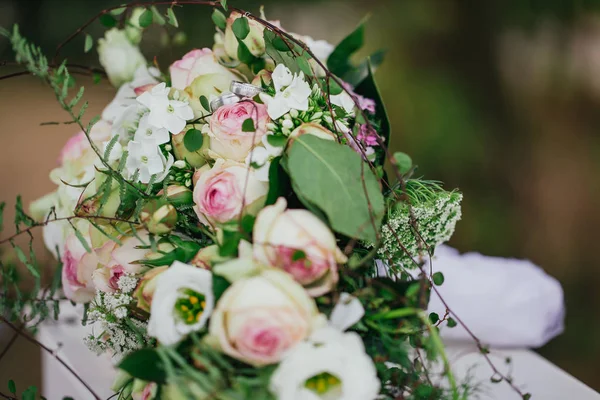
x=505 y=302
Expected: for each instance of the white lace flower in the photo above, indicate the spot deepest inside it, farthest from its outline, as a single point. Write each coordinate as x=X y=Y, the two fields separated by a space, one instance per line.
x=328 y=365
x=146 y=157
x=260 y=158
x=165 y=113
x=293 y=97
x=183 y=302
x=147 y=131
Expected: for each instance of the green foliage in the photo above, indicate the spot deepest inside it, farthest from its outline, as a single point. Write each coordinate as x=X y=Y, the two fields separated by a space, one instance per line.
x=108 y=20
x=144 y=364
x=89 y=43
x=248 y=125
x=204 y=103
x=438 y=278
x=244 y=53
x=403 y=162
x=368 y=88
x=172 y=17
x=219 y=19
x=240 y=28
x=334 y=179
x=193 y=140
x=146 y=18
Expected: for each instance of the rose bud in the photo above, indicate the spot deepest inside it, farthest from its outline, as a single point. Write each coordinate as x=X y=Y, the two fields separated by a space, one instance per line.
x=146 y=287
x=207 y=257
x=159 y=216
x=178 y=195
x=254 y=41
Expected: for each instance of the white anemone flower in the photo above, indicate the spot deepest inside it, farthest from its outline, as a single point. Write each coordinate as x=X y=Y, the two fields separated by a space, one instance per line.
x=260 y=158
x=146 y=157
x=147 y=131
x=329 y=365
x=291 y=92
x=165 y=113
x=343 y=100
x=183 y=301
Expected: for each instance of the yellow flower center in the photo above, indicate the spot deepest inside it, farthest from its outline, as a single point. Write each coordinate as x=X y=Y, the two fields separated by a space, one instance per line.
x=190 y=306
x=322 y=383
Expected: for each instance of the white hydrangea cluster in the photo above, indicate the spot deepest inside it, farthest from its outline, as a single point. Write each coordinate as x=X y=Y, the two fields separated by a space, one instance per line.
x=119 y=331
x=436 y=220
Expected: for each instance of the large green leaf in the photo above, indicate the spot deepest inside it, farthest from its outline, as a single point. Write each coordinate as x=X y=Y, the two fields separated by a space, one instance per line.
x=336 y=180
x=368 y=88
x=144 y=364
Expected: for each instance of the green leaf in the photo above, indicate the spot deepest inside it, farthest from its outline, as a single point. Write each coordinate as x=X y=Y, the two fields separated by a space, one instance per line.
x=244 y=55
x=89 y=43
x=451 y=323
x=277 y=140
x=333 y=178
x=339 y=60
x=224 y=4
x=12 y=388
x=304 y=65
x=29 y=393
x=274 y=49
x=219 y=285
x=241 y=28
x=438 y=278
x=23 y=258
x=144 y=364
x=403 y=162
x=368 y=88
x=434 y=318
x=204 y=103
x=172 y=17
x=280 y=44
x=248 y=125
x=355 y=76
x=279 y=182
x=108 y=20
x=219 y=19
x=97 y=78
x=298 y=255
x=157 y=16
x=146 y=18
x=193 y=140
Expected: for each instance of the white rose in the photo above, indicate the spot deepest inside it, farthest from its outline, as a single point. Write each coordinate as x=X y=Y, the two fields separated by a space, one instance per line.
x=119 y=57
x=183 y=301
x=329 y=365
x=259 y=318
x=299 y=243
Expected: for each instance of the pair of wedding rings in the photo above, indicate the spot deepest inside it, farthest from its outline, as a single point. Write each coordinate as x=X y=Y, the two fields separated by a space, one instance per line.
x=239 y=90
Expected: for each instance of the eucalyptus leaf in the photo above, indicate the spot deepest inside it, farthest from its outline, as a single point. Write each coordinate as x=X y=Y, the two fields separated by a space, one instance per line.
x=338 y=61
x=204 y=103
x=335 y=179
x=172 y=17
x=108 y=20
x=248 y=125
x=244 y=53
x=193 y=140
x=403 y=162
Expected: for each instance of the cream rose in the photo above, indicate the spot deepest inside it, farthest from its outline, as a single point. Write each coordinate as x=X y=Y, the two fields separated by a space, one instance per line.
x=299 y=243
x=117 y=260
x=228 y=139
x=119 y=57
x=226 y=190
x=194 y=64
x=259 y=318
x=78 y=266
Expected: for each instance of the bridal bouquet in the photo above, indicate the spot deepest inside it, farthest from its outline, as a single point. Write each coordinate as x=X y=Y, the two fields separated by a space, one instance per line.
x=229 y=224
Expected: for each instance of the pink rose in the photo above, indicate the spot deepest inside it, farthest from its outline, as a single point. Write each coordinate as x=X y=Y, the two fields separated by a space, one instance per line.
x=117 y=260
x=78 y=266
x=194 y=64
x=223 y=192
x=259 y=318
x=228 y=139
x=299 y=243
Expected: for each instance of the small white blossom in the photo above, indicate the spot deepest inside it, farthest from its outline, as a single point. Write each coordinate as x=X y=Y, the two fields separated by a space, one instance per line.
x=291 y=93
x=147 y=131
x=260 y=158
x=165 y=113
x=146 y=157
x=127 y=283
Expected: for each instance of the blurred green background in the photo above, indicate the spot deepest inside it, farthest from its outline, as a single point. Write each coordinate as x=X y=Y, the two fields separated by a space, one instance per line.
x=498 y=98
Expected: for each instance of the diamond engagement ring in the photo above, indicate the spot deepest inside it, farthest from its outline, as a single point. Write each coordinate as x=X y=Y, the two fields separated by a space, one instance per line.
x=245 y=89
x=223 y=100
